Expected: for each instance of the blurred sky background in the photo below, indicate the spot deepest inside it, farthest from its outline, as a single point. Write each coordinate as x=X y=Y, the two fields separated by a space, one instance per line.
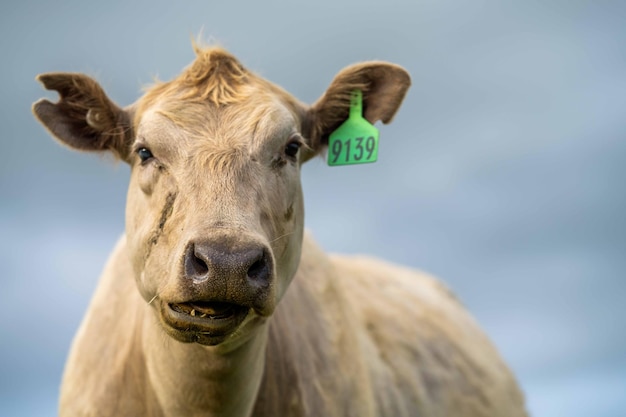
x=503 y=173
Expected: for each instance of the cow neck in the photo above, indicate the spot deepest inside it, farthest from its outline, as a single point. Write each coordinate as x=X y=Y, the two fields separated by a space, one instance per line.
x=192 y=379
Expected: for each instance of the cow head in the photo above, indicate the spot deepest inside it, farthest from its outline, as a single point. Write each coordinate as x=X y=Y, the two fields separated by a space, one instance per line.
x=214 y=217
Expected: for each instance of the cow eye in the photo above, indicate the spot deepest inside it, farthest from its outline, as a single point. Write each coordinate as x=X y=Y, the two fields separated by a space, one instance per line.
x=291 y=150
x=144 y=154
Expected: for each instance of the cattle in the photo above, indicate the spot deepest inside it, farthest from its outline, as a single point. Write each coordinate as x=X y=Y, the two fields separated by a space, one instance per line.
x=217 y=302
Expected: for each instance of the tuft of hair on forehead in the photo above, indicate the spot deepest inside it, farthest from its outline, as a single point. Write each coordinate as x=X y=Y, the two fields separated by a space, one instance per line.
x=214 y=77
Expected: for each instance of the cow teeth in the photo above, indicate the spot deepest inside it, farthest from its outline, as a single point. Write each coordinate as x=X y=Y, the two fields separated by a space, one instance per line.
x=193 y=312
x=203 y=315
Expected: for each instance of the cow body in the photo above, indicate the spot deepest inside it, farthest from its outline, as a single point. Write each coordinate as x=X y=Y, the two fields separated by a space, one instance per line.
x=216 y=303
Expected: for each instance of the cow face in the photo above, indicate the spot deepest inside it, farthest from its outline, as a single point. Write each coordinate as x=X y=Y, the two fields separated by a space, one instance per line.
x=215 y=213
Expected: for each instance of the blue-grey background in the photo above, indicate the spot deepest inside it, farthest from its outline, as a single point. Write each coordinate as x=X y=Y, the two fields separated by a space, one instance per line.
x=503 y=173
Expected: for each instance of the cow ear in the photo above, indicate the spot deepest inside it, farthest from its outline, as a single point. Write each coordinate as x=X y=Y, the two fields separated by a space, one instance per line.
x=84 y=118
x=383 y=85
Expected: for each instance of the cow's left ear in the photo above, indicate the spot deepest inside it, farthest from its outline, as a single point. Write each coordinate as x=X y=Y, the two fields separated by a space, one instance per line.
x=84 y=118
x=383 y=85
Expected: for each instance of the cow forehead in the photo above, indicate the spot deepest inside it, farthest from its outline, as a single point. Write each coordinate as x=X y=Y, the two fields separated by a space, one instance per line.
x=217 y=104
x=247 y=127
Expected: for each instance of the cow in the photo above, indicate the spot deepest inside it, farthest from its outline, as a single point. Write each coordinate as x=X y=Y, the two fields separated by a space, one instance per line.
x=217 y=302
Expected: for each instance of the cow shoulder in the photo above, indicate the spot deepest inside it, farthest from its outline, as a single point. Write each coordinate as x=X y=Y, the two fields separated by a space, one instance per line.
x=105 y=365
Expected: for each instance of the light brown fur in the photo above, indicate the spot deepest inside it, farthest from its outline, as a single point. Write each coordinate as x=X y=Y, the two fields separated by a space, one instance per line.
x=325 y=336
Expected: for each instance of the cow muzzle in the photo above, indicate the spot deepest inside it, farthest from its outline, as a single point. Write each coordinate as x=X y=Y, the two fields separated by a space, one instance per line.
x=222 y=281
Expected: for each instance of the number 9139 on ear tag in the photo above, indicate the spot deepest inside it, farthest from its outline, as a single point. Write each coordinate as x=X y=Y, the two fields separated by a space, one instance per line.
x=356 y=140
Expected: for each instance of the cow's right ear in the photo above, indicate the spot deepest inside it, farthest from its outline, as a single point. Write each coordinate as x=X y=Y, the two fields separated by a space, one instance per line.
x=84 y=118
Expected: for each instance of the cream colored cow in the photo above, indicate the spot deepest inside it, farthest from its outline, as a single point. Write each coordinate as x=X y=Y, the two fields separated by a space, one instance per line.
x=216 y=303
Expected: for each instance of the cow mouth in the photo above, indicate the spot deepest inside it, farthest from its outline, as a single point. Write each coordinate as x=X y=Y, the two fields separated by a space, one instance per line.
x=205 y=309
x=205 y=322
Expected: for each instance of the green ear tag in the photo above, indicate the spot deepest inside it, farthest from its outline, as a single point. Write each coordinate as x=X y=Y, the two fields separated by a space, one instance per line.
x=356 y=140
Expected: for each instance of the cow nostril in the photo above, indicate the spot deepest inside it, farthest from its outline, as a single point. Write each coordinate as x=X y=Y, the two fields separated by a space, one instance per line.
x=195 y=266
x=199 y=266
x=259 y=270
